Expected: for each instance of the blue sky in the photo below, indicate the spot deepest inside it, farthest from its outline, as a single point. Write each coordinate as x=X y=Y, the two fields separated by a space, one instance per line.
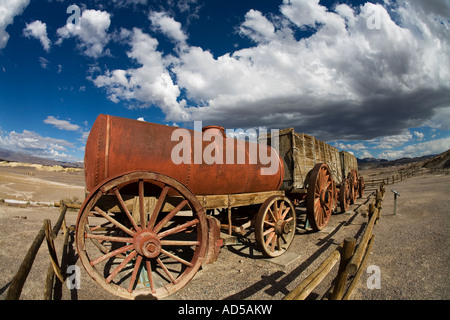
x=372 y=78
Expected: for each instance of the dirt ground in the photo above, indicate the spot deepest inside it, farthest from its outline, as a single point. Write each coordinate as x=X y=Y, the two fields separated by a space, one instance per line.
x=410 y=249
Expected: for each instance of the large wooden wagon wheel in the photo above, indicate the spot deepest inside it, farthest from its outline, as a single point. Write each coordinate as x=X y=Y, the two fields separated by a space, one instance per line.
x=150 y=249
x=320 y=196
x=352 y=177
x=275 y=226
x=361 y=186
x=344 y=195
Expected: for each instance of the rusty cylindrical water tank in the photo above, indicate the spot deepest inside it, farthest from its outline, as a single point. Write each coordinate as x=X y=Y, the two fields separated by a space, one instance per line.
x=118 y=145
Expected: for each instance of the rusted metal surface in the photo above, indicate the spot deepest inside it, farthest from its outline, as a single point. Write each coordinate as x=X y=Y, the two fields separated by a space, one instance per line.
x=116 y=145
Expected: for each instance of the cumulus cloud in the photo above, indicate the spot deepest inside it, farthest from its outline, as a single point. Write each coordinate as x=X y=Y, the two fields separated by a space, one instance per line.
x=168 y=26
x=33 y=143
x=150 y=84
x=8 y=10
x=38 y=30
x=363 y=72
x=91 y=31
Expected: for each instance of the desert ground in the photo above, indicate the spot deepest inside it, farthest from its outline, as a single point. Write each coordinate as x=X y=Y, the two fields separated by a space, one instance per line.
x=410 y=248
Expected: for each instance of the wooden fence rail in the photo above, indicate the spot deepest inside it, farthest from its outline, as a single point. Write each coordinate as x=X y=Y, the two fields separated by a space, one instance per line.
x=404 y=174
x=352 y=260
x=46 y=232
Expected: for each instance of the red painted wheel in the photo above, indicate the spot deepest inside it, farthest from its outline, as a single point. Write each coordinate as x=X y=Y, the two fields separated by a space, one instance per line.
x=275 y=226
x=361 y=186
x=352 y=177
x=344 y=195
x=320 y=196
x=151 y=248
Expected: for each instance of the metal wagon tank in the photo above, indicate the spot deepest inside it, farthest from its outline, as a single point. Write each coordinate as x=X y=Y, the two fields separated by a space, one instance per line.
x=147 y=224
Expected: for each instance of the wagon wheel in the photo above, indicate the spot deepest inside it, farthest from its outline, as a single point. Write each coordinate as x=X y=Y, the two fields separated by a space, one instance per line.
x=361 y=186
x=150 y=252
x=353 y=180
x=275 y=226
x=319 y=198
x=344 y=195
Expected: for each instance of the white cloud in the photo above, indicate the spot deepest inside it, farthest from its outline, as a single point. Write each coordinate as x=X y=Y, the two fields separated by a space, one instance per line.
x=61 y=124
x=91 y=31
x=257 y=27
x=150 y=84
x=390 y=142
x=38 y=29
x=355 y=146
x=43 y=62
x=33 y=143
x=419 y=135
x=8 y=10
x=420 y=149
x=347 y=80
x=168 y=26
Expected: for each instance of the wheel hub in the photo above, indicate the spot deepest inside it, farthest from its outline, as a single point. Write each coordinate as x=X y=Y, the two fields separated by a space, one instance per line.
x=283 y=227
x=147 y=244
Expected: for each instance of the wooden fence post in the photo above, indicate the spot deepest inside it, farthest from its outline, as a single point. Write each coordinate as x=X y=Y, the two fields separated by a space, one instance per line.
x=341 y=278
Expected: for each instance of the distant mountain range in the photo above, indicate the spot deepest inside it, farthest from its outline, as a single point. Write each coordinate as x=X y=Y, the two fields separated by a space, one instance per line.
x=378 y=163
x=7 y=155
x=431 y=161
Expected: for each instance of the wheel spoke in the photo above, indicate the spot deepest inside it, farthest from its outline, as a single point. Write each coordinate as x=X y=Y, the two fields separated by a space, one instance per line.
x=268 y=231
x=280 y=209
x=134 y=274
x=269 y=223
x=275 y=204
x=285 y=213
x=125 y=209
x=150 y=277
x=112 y=254
x=176 y=258
x=269 y=238
x=177 y=229
x=159 y=204
x=108 y=238
x=166 y=271
x=271 y=214
x=141 y=202
x=169 y=216
x=272 y=244
x=179 y=243
x=121 y=266
x=114 y=221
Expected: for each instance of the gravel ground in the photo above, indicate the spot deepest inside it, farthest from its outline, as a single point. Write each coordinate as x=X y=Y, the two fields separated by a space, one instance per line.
x=410 y=249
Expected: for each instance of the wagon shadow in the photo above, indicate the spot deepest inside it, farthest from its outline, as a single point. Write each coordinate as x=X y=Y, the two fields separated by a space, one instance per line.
x=278 y=281
x=247 y=247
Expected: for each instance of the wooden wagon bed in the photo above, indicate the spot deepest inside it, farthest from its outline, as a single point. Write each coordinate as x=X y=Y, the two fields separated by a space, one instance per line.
x=301 y=152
